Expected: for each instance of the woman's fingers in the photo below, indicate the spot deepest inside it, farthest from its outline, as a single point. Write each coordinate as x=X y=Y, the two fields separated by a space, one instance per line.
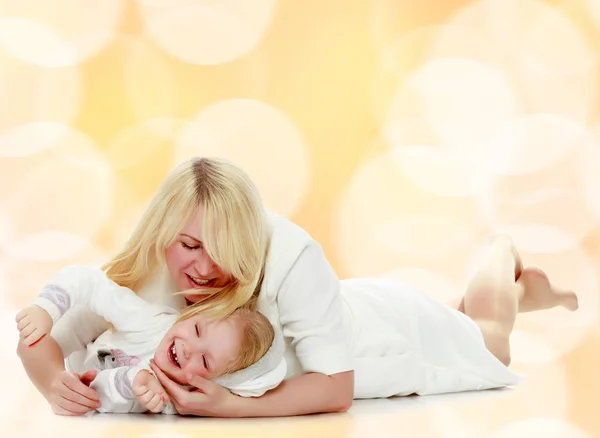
x=76 y=391
x=87 y=377
x=74 y=397
x=171 y=387
x=74 y=384
x=72 y=407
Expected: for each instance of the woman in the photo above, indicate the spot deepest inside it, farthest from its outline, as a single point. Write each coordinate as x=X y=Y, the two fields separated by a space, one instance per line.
x=206 y=239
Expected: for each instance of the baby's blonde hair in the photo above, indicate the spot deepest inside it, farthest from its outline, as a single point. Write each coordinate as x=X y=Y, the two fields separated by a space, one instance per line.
x=235 y=230
x=257 y=337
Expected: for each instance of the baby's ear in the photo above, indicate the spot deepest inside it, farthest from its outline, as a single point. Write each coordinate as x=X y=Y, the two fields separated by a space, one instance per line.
x=103 y=353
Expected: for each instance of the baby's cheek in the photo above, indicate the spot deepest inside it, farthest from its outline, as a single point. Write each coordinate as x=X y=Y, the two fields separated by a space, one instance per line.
x=204 y=374
x=197 y=371
x=189 y=377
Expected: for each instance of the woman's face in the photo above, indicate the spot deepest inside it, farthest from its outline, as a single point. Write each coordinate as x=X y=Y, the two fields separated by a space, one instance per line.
x=189 y=264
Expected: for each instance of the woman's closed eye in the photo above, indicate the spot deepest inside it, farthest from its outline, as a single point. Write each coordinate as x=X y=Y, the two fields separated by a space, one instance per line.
x=189 y=247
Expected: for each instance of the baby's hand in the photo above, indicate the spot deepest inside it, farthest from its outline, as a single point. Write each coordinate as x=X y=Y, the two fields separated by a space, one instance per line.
x=149 y=392
x=33 y=323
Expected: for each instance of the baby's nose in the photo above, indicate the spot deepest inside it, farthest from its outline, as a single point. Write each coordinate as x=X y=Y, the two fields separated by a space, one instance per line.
x=186 y=353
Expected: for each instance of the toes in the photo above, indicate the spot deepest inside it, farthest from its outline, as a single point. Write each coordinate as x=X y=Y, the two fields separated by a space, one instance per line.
x=571 y=302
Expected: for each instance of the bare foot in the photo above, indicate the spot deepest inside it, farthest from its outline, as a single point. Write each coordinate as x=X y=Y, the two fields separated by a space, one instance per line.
x=539 y=294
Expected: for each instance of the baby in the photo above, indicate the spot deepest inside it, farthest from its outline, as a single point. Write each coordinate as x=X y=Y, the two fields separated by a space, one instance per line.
x=231 y=351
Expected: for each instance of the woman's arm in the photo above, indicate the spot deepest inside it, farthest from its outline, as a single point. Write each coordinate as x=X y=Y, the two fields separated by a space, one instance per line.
x=42 y=362
x=67 y=393
x=312 y=315
x=307 y=394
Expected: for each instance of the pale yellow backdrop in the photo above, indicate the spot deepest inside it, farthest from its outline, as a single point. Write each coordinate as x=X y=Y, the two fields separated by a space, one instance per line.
x=399 y=133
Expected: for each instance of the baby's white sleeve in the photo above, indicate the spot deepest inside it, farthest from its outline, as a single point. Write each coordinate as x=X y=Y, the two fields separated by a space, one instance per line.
x=115 y=389
x=88 y=286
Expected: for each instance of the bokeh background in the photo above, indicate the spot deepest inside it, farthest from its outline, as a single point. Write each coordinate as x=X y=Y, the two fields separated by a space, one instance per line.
x=399 y=133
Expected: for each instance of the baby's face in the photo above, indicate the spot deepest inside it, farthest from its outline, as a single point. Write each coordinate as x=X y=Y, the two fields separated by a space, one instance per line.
x=200 y=347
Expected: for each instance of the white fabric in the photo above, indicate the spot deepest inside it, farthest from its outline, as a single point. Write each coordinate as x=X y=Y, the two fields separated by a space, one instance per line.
x=396 y=340
x=301 y=297
x=139 y=327
x=408 y=343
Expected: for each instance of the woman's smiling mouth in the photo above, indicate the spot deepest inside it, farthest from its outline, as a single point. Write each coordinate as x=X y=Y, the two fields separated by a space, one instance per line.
x=199 y=282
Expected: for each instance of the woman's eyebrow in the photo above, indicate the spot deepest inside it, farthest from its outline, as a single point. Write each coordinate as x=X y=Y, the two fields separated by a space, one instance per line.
x=191 y=237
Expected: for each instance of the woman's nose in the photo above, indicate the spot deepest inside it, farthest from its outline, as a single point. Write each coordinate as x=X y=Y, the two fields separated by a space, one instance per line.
x=204 y=265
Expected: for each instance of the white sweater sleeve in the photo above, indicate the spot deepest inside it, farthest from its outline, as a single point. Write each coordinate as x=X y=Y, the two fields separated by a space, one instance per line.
x=75 y=286
x=115 y=389
x=311 y=313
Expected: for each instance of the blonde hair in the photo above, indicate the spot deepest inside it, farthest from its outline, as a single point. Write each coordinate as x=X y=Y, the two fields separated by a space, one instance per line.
x=235 y=230
x=257 y=337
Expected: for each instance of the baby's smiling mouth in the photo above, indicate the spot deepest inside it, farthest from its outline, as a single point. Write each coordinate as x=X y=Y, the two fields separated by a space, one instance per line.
x=173 y=355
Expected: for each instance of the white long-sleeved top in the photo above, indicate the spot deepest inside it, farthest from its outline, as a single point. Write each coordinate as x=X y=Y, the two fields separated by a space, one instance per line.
x=138 y=326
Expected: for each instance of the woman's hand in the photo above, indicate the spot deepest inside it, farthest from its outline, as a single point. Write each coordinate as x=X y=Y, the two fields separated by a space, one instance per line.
x=70 y=394
x=207 y=400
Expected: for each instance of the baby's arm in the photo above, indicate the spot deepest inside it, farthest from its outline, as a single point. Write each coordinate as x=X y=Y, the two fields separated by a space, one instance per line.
x=84 y=285
x=70 y=286
x=131 y=390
